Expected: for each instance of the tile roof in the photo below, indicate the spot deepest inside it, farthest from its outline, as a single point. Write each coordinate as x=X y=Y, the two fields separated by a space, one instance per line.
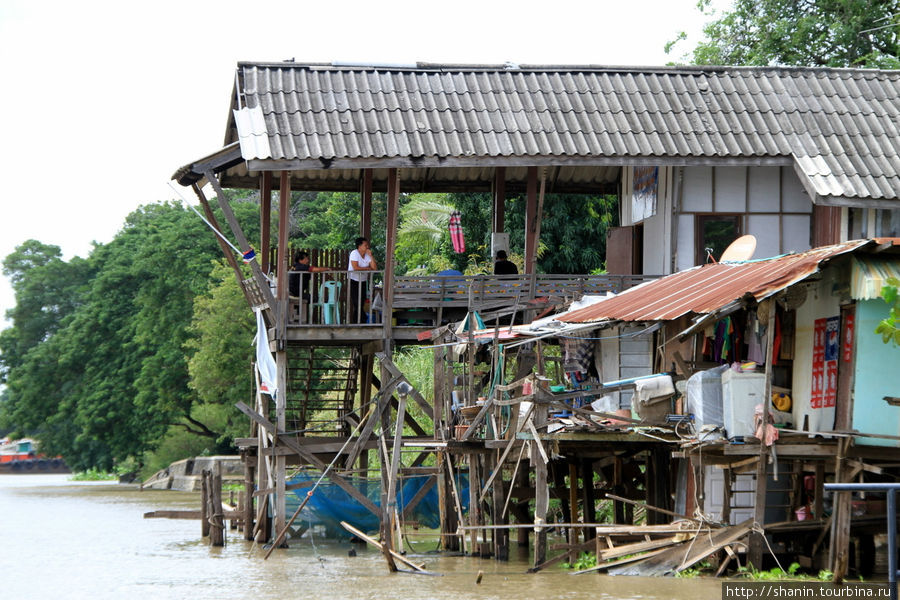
x=708 y=288
x=841 y=126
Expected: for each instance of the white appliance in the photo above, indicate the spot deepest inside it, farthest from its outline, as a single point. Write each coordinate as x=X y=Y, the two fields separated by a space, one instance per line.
x=741 y=393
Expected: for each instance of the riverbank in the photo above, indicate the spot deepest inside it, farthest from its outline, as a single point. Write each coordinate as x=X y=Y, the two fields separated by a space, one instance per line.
x=90 y=540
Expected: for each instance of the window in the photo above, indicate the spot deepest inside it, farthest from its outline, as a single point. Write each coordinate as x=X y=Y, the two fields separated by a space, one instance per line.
x=715 y=232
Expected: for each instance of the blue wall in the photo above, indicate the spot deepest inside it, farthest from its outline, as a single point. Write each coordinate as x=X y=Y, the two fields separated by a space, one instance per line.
x=877 y=375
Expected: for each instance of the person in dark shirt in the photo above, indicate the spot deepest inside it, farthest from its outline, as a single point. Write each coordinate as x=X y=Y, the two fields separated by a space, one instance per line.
x=298 y=282
x=504 y=266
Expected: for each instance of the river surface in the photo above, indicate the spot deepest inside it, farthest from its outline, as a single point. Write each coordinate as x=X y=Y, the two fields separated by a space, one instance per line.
x=65 y=540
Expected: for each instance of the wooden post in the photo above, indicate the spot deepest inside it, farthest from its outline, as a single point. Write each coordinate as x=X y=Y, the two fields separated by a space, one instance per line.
x=521 y=481
x=727 y=485
x=391 y=504
x=204 y=504
x=215 y=518
x=588 y=499
x=541 y=490
x=393 y=196
x=265 y=219
x=757 y=540
x=531 y=202
x=501 y=536
x=573 y=509
x=365 y=205
x=248 y=498
x=474 y=502
x=499 y=199
x=839 y=553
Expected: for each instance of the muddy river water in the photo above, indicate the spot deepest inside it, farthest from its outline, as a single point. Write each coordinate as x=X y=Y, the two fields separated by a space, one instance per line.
x=63 y=540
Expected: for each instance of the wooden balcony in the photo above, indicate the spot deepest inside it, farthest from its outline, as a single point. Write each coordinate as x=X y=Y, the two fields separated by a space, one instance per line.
x=324 y=313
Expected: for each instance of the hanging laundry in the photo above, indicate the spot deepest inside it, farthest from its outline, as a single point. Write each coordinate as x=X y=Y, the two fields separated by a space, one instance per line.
x=265 y=363
x=456 y=232
x=577 y=353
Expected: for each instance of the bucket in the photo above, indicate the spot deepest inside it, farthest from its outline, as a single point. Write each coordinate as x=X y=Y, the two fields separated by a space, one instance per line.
x=460 y=430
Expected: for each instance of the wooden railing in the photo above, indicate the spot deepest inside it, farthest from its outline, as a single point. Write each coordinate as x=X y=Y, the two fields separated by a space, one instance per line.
x=432 y=294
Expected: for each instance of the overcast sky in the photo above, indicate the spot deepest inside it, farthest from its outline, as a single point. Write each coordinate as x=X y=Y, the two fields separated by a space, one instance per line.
x=102 y=101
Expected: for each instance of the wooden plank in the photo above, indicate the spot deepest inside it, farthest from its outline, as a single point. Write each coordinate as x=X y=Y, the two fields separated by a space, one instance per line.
x=190 y=514
x=784 y=450
x=621 y=562
x=396 y=555
x=678 y=558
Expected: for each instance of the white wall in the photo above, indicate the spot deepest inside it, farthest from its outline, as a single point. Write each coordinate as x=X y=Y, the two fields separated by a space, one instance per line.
x=774 y=208
x=820 y=304
x=772 y=202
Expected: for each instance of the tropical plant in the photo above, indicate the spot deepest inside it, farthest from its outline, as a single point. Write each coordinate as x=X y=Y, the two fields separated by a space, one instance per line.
x=889 y=327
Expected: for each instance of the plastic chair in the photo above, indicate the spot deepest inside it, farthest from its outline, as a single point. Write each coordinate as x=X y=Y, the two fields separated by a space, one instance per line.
x=329 y=297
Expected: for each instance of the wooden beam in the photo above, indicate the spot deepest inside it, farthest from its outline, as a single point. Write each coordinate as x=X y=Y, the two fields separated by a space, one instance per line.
x=243 y=244
x=499 y=189
x=406 y=162
x=531 y=202
x=226 y=250
x=365 y=205
x=393 y=197
x=309 y=457
x=265 y=219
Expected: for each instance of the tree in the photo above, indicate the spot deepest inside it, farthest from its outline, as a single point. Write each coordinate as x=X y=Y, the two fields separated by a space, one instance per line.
x=47 y=289
x=809 y=33
x=220 y=351
x=111 y=377
x=573 y=230
x=422 y=234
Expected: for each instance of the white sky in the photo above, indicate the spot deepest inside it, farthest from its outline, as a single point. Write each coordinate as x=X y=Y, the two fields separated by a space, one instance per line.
x=102 y=101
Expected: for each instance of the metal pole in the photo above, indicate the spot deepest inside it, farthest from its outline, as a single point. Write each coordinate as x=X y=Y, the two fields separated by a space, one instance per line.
x=892 y=541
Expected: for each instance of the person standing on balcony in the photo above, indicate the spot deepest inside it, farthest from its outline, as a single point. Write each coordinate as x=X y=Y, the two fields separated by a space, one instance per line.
x=504 y=266
x=361 y=259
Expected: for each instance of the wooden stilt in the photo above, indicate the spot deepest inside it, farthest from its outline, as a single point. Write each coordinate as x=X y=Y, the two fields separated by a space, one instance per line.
x=248 y=499
x=501 y=539
x=204 y=505
x=588 y=498
x=541 y=491
x=573 y=508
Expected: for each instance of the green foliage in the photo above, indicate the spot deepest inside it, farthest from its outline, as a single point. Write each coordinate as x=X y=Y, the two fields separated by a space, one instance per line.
x=221 y=357
x=815 y=33
x=573 y=232
x=777 y=574
x=889 y=327
x=423 y=234
x=93 y=475
x=105 y=375
x=693 y=572
x=585 y=560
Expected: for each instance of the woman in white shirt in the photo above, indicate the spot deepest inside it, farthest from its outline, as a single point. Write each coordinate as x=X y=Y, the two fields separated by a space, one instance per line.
x=361 y=259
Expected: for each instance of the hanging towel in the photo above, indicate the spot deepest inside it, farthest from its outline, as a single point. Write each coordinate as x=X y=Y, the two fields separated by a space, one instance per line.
x=265 y=363
x=456 y=232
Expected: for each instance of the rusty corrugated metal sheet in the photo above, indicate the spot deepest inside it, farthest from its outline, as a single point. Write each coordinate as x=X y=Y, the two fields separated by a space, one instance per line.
x=841 y=126
x=705 y=289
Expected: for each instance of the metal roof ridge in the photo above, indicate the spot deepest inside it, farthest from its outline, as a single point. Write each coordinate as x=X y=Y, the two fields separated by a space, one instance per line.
x=536 y=67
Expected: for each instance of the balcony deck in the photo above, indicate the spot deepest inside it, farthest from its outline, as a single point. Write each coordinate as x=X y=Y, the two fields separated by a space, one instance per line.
x=422 y=303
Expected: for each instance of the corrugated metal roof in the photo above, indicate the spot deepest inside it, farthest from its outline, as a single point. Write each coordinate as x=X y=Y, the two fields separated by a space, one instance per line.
x=841 y=125
x=707 y=288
